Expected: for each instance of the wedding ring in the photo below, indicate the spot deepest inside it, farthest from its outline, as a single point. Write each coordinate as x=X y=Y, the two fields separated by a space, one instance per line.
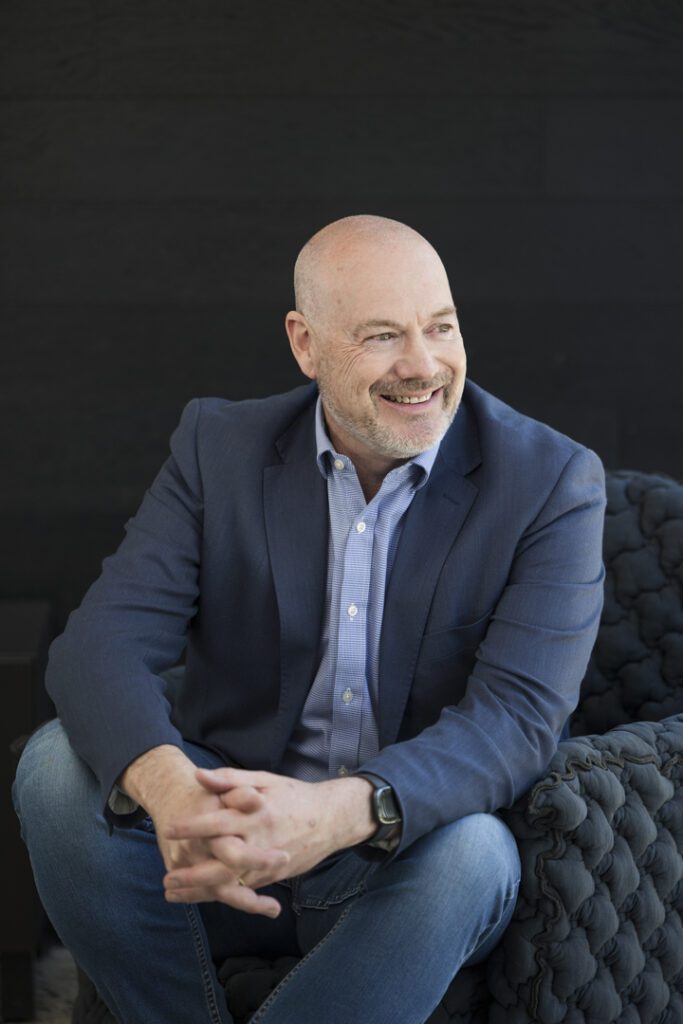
x=241 y=881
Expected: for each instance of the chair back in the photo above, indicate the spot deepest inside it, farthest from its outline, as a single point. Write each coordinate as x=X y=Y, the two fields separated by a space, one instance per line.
x=636 y=669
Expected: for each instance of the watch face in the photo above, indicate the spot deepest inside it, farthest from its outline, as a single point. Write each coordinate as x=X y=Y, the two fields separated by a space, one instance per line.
x=386 y=806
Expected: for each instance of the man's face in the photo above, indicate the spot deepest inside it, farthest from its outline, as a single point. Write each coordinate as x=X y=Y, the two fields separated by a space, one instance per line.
x=388 y=356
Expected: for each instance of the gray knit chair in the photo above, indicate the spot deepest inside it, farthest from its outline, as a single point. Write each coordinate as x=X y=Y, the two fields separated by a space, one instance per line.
x=596 y=937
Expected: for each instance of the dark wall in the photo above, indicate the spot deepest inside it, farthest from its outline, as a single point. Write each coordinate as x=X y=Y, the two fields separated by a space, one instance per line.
x=162 y=163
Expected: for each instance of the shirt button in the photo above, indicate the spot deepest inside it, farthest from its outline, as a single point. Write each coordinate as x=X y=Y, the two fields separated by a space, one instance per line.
x=338 y=464
x=347 y=696
x=343 y=770
x=352 y=610
x=360 y=527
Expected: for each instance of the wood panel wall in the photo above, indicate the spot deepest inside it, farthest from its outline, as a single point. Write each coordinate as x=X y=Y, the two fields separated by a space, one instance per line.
x=161 y=163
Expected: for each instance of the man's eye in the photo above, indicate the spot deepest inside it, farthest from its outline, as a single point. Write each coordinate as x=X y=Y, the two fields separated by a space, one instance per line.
x=444 y=328
x=386 y=336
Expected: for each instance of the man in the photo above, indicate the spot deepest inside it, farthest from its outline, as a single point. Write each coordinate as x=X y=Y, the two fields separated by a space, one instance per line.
x=388 y=586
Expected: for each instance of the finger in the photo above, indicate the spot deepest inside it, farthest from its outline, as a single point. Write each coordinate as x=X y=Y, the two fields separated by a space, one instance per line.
x=220 y=779
x=259 y=869
x=241 y=857
x=184 y=853
x=243 y=798
x=208 y=874
x=213 y=780
x=206 y=826
x=241 y=897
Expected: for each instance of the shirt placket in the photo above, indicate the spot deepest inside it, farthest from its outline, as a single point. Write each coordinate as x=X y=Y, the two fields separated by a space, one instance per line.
x=351 y=699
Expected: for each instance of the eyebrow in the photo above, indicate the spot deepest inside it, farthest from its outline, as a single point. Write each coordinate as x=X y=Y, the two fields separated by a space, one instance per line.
x=367 y=324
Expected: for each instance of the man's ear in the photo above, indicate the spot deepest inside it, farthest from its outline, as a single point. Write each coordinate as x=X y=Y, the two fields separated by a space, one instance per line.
x=301 y=343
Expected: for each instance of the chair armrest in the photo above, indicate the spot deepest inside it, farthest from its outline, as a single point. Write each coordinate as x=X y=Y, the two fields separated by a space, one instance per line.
x=640 y=752
x=597 y=925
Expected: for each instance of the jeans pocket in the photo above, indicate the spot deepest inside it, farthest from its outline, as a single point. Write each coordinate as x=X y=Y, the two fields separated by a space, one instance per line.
x=331 y=882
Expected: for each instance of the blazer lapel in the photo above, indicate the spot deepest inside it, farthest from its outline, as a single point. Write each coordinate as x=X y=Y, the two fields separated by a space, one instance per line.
x=433 y=522
x=296 y=515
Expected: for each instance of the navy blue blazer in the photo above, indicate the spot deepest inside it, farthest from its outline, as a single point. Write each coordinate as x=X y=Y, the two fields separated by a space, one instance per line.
x=491 y=610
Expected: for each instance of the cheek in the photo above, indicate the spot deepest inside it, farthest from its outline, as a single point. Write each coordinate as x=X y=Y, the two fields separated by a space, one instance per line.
x=456 y=361
x=356 y=374
x=460 y=357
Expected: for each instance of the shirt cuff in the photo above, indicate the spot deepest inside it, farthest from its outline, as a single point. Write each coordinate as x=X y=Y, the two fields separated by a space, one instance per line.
x=390 y=843
x=120 y=803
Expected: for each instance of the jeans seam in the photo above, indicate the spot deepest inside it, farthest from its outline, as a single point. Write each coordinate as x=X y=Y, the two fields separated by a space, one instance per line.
x=268 y=1002
x=492 y=927
x=210 y=995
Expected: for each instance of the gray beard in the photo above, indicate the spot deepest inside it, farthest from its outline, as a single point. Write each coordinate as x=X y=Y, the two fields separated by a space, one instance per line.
x=380 y=438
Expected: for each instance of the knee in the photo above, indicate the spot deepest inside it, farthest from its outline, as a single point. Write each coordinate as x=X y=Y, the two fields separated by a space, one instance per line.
x=479 y=848
x=51 y=779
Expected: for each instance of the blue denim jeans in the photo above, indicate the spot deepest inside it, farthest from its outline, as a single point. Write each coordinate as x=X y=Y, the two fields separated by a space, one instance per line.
x=379 y=942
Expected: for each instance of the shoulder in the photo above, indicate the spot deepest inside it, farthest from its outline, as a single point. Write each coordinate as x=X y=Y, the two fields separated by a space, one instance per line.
x=273 y=411
x=525 y=461
x=249 y=428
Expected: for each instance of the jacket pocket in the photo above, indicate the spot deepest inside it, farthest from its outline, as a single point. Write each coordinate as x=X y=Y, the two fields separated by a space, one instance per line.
x=445 y=642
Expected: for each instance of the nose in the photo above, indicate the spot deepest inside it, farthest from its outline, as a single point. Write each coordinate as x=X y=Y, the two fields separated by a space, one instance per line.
x=416 y=358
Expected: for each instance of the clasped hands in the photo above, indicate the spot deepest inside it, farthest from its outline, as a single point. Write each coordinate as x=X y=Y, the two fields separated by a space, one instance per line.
x=254 y=828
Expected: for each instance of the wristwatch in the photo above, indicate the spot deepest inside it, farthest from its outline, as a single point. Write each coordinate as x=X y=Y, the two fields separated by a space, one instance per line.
x=387 y=814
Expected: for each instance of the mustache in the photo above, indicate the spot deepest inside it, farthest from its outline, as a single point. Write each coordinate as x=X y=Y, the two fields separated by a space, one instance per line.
x=411 y=386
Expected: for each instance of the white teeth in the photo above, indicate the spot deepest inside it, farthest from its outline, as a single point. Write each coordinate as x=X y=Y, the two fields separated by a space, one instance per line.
x=407 y=400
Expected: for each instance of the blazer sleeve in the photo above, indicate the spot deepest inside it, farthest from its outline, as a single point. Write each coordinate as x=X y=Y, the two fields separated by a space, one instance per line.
x=103 y=672
x=484 y=752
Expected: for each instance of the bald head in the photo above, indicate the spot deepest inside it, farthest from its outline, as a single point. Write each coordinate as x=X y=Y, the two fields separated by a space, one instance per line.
x=376 y=327
x=339 y=252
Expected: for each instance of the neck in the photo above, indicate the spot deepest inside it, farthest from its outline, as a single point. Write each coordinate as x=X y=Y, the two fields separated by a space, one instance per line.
x=370 y=483
x=371 y=467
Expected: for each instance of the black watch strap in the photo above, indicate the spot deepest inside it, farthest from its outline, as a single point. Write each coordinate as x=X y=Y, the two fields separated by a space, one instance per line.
x=385 y=807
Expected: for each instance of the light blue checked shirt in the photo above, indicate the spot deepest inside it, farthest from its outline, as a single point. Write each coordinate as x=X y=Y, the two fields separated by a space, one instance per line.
x=337 y=731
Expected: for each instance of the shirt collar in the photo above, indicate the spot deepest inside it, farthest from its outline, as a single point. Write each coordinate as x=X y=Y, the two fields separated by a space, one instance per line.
x=326 y=454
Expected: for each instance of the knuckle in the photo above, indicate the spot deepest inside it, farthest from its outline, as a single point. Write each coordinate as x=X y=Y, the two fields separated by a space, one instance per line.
x=267 y=816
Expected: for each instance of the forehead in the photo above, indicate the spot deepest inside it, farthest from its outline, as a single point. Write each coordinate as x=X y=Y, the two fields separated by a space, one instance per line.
x=379 y=284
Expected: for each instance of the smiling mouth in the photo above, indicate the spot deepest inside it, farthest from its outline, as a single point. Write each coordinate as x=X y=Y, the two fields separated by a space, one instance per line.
x=419 y=399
